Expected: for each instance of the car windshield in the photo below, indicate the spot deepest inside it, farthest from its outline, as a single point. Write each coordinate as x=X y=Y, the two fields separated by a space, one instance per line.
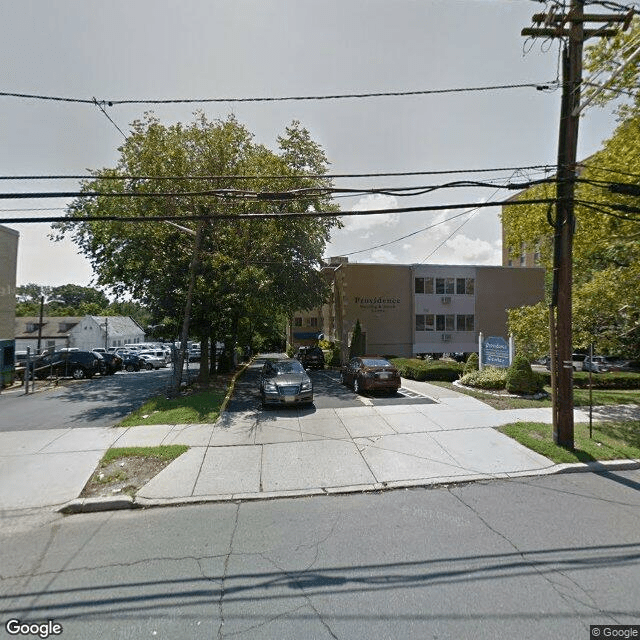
x=282 y=368
x=376 y=362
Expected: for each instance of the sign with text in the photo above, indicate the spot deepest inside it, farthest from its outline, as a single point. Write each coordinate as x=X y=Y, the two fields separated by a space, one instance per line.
x=495 y=352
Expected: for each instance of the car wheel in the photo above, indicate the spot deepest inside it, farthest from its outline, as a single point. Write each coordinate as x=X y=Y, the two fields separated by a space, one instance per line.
x=356 y=385
x=148 y=366
x=77 y=373
x=130 y=368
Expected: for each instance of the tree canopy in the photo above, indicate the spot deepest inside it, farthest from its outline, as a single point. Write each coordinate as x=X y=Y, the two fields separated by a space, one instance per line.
x=606 y=250
x=74 y=300
x=247 y=268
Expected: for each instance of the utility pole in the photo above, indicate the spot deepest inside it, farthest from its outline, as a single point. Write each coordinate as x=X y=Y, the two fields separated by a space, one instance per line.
x=187 y=310
x=571 y=27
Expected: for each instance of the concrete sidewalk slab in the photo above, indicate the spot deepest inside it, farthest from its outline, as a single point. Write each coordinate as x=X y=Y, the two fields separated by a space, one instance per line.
x=415 y=422
x=488 y=451
x=362 y=426
x=193 y=435
x=313 y=464
x=28 y=442
x=178 y=479
x=407 y=457
x=229 y=470
x=87 y=439
x=44 y=479
x=144 y=436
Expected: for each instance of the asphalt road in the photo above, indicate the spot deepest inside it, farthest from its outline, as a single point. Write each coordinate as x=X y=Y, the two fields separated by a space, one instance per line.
x=99 y=402
x=530 y=558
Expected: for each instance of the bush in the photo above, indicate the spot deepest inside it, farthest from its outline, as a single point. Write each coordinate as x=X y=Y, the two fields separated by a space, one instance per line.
x=488 y=378
x=521 y=379
x=472 y=364
x=425 y=370
x=290 y=350
x=331 y=352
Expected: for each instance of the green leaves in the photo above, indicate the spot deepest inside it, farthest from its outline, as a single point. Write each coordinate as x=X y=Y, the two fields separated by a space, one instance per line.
x=245 y=267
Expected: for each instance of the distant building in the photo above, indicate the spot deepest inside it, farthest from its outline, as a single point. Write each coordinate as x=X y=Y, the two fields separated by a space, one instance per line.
x=8 y=263
x=84 y=333
x=406 y=310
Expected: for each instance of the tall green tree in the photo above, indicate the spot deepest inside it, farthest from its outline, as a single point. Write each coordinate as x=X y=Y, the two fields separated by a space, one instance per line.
x=245 y=266
x=606 y=255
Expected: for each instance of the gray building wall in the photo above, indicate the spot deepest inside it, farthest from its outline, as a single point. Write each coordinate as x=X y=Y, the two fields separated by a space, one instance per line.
x=8 y=266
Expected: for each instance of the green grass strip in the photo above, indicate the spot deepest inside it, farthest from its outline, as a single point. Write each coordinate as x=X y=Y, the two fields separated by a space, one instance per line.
x=198 y=408
x=615 y=440
x=163 y=452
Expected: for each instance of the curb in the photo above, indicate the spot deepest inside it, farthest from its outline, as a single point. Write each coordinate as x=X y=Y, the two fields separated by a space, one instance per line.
x=90 y=505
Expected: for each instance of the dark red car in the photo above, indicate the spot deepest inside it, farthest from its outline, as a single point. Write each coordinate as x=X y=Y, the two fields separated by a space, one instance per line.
x=370 y=373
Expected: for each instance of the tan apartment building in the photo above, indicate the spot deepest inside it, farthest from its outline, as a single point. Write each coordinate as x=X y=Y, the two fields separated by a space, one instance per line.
x=8 y=266
x=406 y=310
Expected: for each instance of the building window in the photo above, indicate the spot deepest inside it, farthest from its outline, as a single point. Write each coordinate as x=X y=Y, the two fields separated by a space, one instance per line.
x=465 y=323
x=312 y=322
x=424 y=322
x=419 y=285
x=445 y=285
x=32 y=326
x=445 y=322
x=428 y=285
x=297 y=321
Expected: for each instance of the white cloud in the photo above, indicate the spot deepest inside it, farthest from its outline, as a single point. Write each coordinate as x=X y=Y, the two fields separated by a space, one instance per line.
x=466 y=250
x=374 y=201
x=383 y=256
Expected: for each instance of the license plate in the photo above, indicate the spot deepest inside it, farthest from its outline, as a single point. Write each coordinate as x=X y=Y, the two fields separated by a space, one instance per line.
x=385 y=376
x=289 y=398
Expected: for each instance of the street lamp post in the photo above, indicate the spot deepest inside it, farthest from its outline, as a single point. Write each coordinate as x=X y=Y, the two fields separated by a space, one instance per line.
x=42 y=303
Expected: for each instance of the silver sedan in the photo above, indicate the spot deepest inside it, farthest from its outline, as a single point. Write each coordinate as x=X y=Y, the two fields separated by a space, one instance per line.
x=285 y=382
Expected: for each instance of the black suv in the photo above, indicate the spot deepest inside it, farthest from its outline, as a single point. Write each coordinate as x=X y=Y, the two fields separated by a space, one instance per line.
x=310 y=357
x=76 y=364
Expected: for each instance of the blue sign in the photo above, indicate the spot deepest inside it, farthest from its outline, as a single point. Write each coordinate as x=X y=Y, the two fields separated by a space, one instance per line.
x=306 y=335
x=495 y=352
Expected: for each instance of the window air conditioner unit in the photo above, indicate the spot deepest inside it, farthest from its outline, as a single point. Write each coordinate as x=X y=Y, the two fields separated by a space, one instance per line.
x=446 y=337
x=446 y=300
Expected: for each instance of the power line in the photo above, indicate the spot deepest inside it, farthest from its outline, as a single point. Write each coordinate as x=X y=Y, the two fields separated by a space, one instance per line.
x=408 y=235
x=271 y=215
x=539 y=86
x=382 y=174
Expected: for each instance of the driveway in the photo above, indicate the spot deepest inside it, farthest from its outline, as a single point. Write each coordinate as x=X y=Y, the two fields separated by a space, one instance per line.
x=328 y=393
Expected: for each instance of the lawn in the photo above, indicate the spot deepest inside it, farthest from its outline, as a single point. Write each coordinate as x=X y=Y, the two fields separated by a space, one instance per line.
x=580 y=397
x=197 y=408
x=610 y=441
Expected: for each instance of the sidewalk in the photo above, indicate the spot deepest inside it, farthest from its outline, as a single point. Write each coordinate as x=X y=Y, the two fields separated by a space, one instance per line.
x=265 y=454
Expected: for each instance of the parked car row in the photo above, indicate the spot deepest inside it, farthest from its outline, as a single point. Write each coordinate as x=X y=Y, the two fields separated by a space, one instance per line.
x=78 y=364
x=285 y=382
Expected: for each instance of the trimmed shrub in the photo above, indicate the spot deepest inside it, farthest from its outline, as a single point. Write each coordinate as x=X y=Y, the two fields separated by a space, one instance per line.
x=426 y=370
x=521 y=379
x=472 y=364
x=488 y=378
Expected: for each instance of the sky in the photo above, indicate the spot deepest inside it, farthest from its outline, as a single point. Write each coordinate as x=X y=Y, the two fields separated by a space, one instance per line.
x=187 y=49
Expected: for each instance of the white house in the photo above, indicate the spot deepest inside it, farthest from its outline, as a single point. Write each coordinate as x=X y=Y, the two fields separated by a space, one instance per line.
x=84 y=333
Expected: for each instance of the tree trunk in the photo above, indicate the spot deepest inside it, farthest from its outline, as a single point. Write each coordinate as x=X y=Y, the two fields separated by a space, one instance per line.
x=203 y=377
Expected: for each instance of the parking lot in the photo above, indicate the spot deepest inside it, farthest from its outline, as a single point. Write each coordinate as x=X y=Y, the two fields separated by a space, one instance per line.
x=328 y=393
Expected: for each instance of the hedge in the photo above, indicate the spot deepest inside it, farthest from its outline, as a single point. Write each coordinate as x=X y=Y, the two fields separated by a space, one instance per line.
x=426 y=370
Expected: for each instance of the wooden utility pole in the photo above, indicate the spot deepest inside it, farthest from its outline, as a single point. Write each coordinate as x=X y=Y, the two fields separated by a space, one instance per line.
x=187 y=308
x=570 y=26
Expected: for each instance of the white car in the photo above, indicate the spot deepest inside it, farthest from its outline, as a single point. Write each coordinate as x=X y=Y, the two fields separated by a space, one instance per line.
x=153 y=361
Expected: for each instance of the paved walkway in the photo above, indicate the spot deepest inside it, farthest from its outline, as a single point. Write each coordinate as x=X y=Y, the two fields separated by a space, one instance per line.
x=262 y=454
